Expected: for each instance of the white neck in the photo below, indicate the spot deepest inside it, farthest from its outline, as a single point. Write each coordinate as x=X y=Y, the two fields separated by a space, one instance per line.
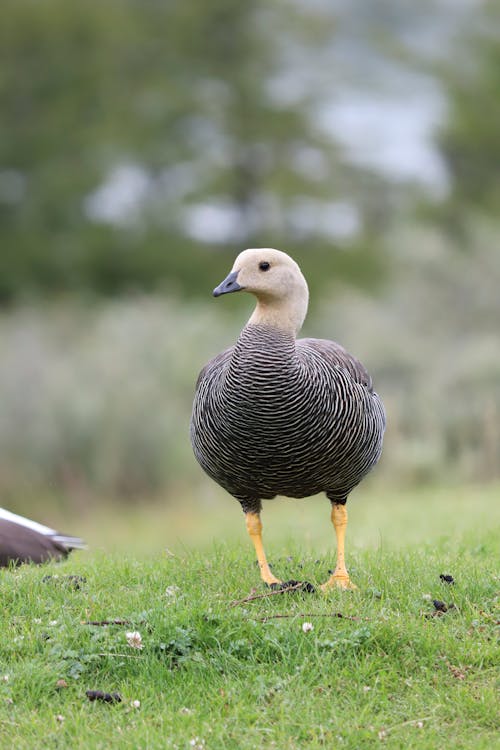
x=285 y=314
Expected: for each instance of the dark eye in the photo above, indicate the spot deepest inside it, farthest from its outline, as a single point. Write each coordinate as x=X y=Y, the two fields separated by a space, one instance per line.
x=264 y=266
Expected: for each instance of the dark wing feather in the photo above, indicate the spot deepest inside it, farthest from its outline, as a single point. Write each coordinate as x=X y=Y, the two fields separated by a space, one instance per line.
x=19 y=544
x=337 y=356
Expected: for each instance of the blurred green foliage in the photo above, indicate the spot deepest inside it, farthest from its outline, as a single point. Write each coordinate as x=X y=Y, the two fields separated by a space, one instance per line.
x=470 y=138
x=177 y=98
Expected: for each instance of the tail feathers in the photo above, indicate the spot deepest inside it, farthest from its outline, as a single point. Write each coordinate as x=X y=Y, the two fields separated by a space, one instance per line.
x=69 y=542
x=64 y=540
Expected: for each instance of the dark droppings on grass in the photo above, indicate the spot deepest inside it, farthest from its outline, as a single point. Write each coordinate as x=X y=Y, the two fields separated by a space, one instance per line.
x=440 y=608
x=99 y=695
x=446 y=578
x=70 y=581
x=292 y=585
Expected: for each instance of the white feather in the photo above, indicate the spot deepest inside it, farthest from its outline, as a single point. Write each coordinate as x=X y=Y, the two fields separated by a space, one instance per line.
x=6 y=515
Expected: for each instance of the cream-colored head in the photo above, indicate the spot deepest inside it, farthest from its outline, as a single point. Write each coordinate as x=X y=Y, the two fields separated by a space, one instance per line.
x=277 y=282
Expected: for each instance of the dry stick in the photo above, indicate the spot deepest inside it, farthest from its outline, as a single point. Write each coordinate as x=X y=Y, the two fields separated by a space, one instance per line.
x=408 y=723
x=293 y=588
x=109 y=622
x=265 y=596
x=313 y=614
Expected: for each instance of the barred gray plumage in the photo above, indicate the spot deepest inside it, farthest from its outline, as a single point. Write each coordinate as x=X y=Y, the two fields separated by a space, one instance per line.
x=274 y=415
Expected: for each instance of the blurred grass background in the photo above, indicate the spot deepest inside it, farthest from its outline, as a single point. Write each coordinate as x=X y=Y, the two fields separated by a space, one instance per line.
x=380 y=518
x=142 y=146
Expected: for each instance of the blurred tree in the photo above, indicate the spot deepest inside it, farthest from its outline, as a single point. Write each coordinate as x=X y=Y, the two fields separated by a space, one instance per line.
x=470 y=139
x=137 y=136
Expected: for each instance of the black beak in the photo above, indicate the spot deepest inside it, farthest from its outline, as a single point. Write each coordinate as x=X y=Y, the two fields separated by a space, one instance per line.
x=228 y=285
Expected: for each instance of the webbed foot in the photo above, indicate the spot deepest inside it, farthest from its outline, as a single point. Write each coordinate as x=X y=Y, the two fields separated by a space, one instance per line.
x=342 y=582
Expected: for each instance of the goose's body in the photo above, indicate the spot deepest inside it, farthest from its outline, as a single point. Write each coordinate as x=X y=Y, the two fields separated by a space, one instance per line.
x=283 y=417
x=24 y=540
x=274 y=415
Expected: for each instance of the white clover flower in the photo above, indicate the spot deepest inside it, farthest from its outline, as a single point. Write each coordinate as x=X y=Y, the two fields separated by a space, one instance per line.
x=134 y=639
x=197 y=744
x=307 y=627
x=136 y=704
x=172 y=591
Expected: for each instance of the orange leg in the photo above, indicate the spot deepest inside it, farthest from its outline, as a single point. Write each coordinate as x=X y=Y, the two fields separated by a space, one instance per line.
x=254 y=528
x=340 y=578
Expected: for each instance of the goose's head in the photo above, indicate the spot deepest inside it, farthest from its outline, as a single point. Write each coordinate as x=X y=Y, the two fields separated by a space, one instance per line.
x=277 y=282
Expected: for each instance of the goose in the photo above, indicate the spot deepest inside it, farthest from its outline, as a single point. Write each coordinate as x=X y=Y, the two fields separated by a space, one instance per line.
x=23 y=540
x=277 y=415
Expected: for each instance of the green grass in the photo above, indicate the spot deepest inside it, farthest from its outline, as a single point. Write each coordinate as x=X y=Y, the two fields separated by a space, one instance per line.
x=240 y=677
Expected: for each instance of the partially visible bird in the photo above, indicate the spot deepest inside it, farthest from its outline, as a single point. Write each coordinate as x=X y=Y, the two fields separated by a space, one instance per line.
x=276 y=415
x=23 y=540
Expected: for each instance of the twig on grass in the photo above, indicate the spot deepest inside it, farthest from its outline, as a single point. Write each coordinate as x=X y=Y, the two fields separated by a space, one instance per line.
x=253 y=597
x=295 y=587
x=408 y=723
x=338 y=615
x=109 y=622
x=123 y=656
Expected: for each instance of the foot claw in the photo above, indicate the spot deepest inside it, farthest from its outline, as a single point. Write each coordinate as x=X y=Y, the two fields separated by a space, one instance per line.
x=343 y=583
